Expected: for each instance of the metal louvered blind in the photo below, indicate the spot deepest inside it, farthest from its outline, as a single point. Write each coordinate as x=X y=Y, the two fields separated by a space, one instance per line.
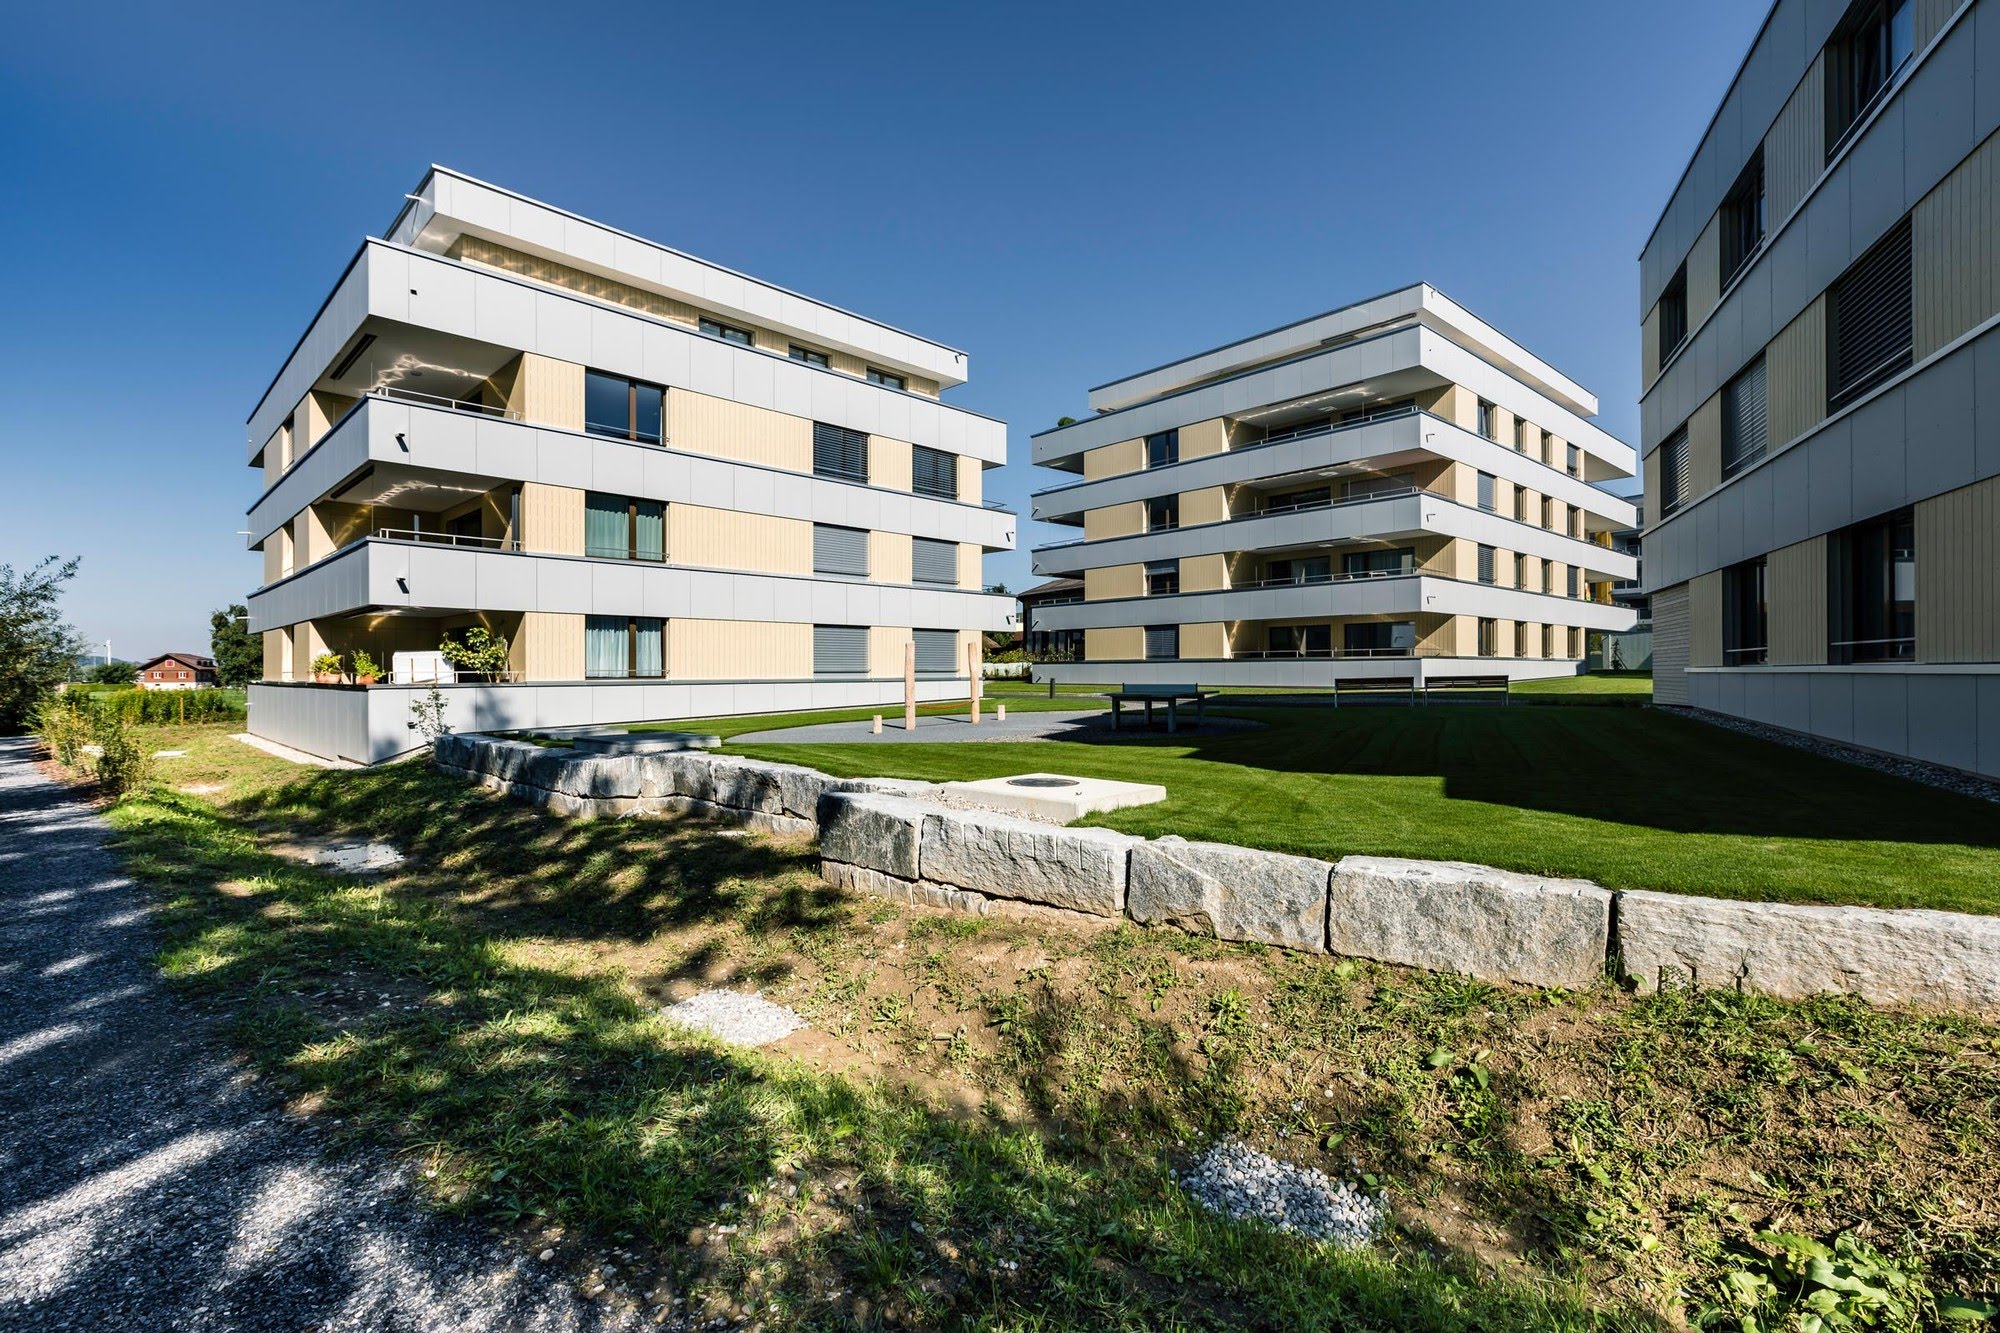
x=840 y=650
x=840 y=452
x=1486 y=555
x=1674 y=472
x=1486 y=491
x=934 y=472
x=933 y=561
x=1163 y=643
x=839 y=550
x=1745 y=423
x=937 y=650
x=1870 y=309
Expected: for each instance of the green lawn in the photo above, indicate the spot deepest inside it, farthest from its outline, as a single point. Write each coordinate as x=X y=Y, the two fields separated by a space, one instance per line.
x=892 y=714
x=1632 y=798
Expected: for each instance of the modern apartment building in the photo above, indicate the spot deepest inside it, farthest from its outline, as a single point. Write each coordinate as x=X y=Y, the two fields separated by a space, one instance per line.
x=1395 y=489
x=1821 y=410
x=675 y=490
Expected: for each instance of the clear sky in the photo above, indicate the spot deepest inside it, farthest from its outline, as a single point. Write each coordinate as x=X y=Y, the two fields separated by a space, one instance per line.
x=1068 y=192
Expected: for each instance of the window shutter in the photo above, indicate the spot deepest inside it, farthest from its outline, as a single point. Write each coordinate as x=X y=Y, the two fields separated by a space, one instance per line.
x=840 y=452
x=937 y=650
x=840 y=650
x=838 y=550
x=934 y=472
x=933 y=561
x=1163 y=642
x=1744 y=419
x=1486 y=491
x=1870 y=311
x=1674 y=472
x=1486 y=564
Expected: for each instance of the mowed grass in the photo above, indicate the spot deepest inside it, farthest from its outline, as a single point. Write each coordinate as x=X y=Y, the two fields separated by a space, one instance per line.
x=892 y=714
x=1632 y=798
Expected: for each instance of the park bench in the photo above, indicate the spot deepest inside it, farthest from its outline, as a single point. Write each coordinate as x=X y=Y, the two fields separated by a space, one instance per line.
x=1461 y=684
x=1375 y=685
x=1170 y=695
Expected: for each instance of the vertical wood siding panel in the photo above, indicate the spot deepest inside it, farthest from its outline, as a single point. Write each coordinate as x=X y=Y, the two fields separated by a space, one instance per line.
x=728 y=539
x=1795 y=148
x=551 y=519
x=1798 y=603
x=701 y=424
x=1954 y=251
x=738 y=650
x=1795 y=375
x=1958 y=575
x=1705 y=620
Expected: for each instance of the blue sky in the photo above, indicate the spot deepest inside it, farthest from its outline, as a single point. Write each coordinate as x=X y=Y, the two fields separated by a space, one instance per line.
x=1068 y=192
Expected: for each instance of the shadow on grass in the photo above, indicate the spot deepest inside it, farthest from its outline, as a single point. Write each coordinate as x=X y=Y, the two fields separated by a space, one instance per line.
x=429 y=1012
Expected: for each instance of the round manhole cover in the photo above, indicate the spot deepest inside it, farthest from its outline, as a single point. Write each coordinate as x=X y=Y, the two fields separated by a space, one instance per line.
x=1041 y=782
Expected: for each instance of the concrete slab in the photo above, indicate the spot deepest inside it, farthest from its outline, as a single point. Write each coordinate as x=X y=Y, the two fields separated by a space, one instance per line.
x=1052 y=796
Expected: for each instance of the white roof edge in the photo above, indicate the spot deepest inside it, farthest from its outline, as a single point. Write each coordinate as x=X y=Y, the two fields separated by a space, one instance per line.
x=948 y=365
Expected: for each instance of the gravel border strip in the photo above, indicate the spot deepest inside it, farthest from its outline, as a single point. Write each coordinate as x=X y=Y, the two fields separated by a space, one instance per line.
x=1900 y=766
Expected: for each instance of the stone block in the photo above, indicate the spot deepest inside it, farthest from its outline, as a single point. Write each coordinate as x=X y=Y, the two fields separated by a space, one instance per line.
x=1005 y=856
x=875 y=832
x=1233 y=893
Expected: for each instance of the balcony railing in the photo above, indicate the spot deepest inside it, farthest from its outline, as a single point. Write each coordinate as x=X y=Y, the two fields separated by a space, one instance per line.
x=1345 y=576
x=1330 y=502
x=448 y=539
x=1326 y=654
x=455 y=404
x=1873 y=650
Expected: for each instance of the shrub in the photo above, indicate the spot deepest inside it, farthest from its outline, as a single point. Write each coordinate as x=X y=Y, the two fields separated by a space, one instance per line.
x=171 y=707
x=364 y=665
x=481 y=652
x=326 y=664
x=60 y=723
x=123 y=764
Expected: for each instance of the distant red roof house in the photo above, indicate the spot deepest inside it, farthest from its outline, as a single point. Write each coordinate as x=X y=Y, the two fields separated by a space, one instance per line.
x=177 y=671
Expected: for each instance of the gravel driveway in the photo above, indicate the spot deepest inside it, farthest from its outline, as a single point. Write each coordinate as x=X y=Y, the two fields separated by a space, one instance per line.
x=147 y=1182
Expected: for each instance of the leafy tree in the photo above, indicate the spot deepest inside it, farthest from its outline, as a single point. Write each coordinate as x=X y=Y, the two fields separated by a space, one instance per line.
x=37 y=648
x=109 y=673
x=239 y=657
x=997 y=589
x=1065 y=421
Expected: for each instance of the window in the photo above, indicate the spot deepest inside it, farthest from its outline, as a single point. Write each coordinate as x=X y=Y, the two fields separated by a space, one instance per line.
x=1163 y=449
x=1674 y=314
x=1300 y=640
x=1576 y=522
x=839 y=452
x=1379 y=638
x=1872 y=590
x=1163 y=512
x=1868 y=312
x=1311 y=498
x=810 y=357
x=1163 y=578
x=1520 y=504
x=1378 y=564
x=1363 y=487
x=1489 y=637
x=887 y=379
x=1746 y=613
x=1674 y=472
x=1549 y=577
x=1486 y=554
x=1521 y=564
x=616 y=527
x=1744 y=421
x=1486 y=423
x=715 y=328
x=466 y=525
x=1163 y=643
x=933 y=561
x=842 y=551
x=1548 y=641
x=1865 y=54
x=620 y=408
x=1575 y=581
x=1486 y=491
x=1379 y=412
x=1305 y=569
x=840 y=650
x=1520 y=638
x=1575 y=462
x=619 y=647
x=1550 y=508
x=937 y=651
x=1743 y=217
x=933 y=472
x=1576 y=641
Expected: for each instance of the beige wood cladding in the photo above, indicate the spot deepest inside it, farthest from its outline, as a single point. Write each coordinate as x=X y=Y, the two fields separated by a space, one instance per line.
x=1110 y=581
x=1795 y=147
x=547 y=392
x=1204 y=573
x=1954 y=250
x=1795 y=376
x=1454 y=403
x=1205 y=641
x=971 y=566
x=1114 y=459
x=738 y=650
x=1114 y=521
x=890 y=557
x=1122 y=643
x=886 y=649
x=889 y=462
x=277 y=654
x=548 y=646
x=1447 y=634
x=1958 y=574
x=570 y=279
x=1204 y=438
x=310 y=539
x=1704 y=601
x=1705 y=448
x=971 y=480
x=732 y=539
x=1207 y=505
x=1449 y=557
x=277 y=555
x=551 y=519
x=1796 y=578
x=1704 y=285
x=700 y=424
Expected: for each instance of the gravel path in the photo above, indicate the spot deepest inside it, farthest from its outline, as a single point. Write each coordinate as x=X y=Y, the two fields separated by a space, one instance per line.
x=147 y=1182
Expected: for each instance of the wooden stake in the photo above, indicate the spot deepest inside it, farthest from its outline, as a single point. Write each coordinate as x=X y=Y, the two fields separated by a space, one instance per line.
x=972 y=677
x=910 y=686
x=877 y=728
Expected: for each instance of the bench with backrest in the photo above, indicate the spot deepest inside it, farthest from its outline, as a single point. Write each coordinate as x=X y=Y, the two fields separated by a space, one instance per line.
x=1403 y=685
x=1462 y=684
x=1170 y=695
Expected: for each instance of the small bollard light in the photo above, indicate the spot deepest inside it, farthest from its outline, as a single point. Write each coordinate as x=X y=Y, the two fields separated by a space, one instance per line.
x=877 y=728
x=1000 y=712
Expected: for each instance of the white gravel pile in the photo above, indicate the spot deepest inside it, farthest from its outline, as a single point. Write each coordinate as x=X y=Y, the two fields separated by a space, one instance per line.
x=732 y=1016
x=1237 y=1181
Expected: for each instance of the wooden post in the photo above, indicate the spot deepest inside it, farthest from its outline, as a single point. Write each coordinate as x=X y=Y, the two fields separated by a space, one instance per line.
x=877 y=728
x=910 y=686
x=972 y=677
x=1000 y=713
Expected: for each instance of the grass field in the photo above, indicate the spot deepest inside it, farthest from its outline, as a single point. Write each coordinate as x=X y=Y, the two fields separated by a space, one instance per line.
x=1632 y=798
x=978 y=1130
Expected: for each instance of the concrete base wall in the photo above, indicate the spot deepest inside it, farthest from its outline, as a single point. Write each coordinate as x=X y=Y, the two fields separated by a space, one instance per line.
x=1940 y=714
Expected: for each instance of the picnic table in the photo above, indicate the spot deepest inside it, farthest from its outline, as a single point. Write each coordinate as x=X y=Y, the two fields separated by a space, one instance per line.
x=1173 y=696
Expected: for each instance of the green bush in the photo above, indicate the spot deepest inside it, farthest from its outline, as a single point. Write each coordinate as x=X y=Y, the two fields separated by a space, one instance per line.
x=63 y=729
x=123 y=762
x=171 y=707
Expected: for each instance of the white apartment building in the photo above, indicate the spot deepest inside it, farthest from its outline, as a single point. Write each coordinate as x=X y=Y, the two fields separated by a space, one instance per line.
x=674 y=490
x=1821 y=372
x=1394 y=489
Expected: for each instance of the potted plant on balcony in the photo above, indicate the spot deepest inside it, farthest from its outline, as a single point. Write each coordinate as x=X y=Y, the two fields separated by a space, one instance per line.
x=480 y=655
x=326 y=668
x=366 y=669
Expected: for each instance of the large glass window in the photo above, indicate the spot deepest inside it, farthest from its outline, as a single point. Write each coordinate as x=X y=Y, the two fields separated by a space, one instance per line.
x=839 y=452
x=1299 y=569
x=1378 y=564
x=622 y=409
x=1867 y=51
x=1743 y=217
x=1379 y=638
x=1313 y=497
x=1163 y=449
x=1489 y=637
x=1163 y=512
x=1674 y=314
x=1872 y=590
x=618 y=647
x=1746 y=613
x=1299 y=640
x=616 y=527
x=1163 y=578
x=933 y=472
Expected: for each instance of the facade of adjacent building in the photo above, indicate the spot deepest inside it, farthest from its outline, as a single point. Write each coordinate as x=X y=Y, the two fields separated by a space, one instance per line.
x=1632 y=592
x=1394 y=489
x=1041 y=643
x=673 y=489
x=1821 y=371
x=175 y=671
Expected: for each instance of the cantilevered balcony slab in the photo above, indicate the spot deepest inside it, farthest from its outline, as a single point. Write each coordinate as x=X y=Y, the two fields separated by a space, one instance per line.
x=1395 y=595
